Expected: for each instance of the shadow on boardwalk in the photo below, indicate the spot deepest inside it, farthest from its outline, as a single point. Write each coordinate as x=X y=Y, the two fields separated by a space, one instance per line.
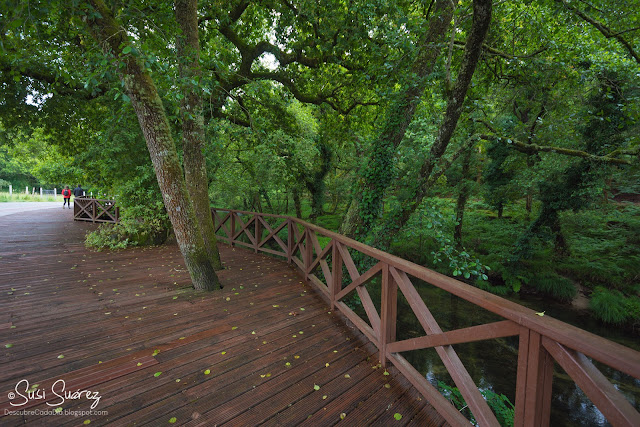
x=128 y=326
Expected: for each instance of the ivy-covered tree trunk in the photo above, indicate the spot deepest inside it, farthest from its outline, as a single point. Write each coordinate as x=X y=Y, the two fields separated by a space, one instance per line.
x=463 y=196
x=188 y=49
x=297 y=203
x=418 y=189
x=155 y=127
x=316 y=185
x=379 y=172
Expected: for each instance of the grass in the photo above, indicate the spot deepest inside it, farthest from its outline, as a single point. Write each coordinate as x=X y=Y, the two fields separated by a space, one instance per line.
x=22 y=197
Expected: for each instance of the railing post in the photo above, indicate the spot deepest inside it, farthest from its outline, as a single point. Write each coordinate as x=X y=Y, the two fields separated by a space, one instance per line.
x=233 y=228
x=289 y=240
x=257 y=232
x=308 y=251
x=336 y=273
x=388 y=313
x=533 y=383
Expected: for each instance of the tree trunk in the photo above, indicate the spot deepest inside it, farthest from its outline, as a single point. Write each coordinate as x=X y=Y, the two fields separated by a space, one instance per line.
x=418 y=189
x=188 y=50
x=155 y=127
x=316 y=185
x=265 y=196
x=378 y=173
x=463 y=195
x=529 y=203
x=297 y=203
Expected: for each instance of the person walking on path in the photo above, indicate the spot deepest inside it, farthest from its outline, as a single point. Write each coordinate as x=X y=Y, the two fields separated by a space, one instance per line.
x=66 y=195
x=78 y=191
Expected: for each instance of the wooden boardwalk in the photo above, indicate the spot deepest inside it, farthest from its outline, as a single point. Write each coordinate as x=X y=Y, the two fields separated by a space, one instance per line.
x=264 y=350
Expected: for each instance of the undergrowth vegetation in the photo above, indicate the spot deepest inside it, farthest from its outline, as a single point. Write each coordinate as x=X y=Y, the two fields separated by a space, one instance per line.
x=603 y=261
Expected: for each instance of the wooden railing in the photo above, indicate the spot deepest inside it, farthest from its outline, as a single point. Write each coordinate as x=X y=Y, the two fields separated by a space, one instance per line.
x=95 y=210
x=542 y=340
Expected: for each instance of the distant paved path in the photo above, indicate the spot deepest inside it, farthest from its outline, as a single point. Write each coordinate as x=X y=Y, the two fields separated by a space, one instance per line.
x=8 y=208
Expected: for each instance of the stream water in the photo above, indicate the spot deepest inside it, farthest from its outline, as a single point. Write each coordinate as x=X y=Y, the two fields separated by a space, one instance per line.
x=492 y=364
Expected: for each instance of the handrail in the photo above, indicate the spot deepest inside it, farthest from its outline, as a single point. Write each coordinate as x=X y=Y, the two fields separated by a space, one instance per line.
x=542 y=340
x=95 y=210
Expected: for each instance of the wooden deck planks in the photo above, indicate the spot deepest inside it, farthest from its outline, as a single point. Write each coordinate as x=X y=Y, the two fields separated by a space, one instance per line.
x=266 y=338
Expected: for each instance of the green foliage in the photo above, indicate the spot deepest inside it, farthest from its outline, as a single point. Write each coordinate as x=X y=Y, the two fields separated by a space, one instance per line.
x=502 y=407
x=611 y=306
x=499 y=177
x=436 y=220
x=555 y=285
x=127 y=233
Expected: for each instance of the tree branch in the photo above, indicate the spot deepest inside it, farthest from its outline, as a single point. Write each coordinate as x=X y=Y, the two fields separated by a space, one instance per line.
x=602 y=28
x=523 y=147
x=495 y=52
x=42 y=74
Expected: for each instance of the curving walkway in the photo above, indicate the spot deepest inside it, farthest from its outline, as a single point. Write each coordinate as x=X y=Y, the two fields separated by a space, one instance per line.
x=127 y=326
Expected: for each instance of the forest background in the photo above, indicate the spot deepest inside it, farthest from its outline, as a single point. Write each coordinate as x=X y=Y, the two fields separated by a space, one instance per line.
x=496 y=142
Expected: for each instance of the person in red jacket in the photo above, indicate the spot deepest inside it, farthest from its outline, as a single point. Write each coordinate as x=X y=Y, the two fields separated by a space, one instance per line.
x=66 y=195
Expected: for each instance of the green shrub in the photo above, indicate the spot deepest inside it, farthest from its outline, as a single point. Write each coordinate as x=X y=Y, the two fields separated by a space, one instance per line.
x=127 y=233
x=610 y=306
x=499 y=403
x=557 y=286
